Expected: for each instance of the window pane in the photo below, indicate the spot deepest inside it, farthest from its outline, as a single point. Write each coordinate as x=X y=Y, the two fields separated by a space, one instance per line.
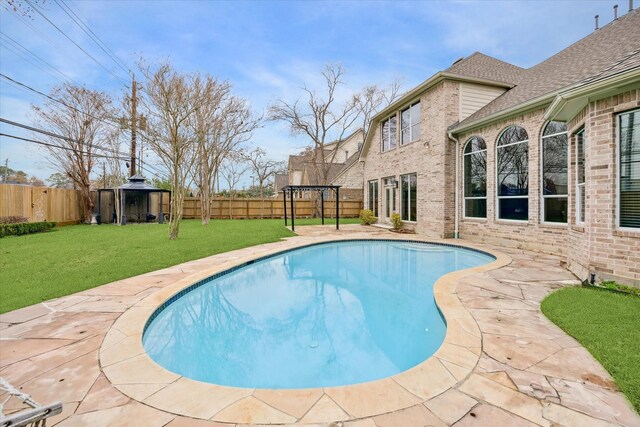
x=581 y=202
x=554 y=127
x=414 y=196
x=512 y=134
x=406 y=135
x=415 y=132
x=630 y=169
x=385 y=135
x=476 y=208
x=393 y=132
x=475 y=144
x=581 y=146
x=554 y=165
x=513 y=170
x=555 y=209
x=517 y=209
x=415 y=113
x=405 y=117
x=475 y=174
x=405 y=197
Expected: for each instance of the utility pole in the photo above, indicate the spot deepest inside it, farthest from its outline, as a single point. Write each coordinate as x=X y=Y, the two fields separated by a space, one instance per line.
x=104 y=175
x=134 y=118
x=6 y=170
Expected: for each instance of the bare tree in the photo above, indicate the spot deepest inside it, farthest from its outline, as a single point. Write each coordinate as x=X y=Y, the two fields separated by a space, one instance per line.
x=222 y=125
x=170 y=101
x=322 y=118
x=373 y=99
x=233 y=169
x=79 y=118
x=263 y=169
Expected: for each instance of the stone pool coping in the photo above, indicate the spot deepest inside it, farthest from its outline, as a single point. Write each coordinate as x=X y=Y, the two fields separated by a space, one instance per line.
x=128 y=367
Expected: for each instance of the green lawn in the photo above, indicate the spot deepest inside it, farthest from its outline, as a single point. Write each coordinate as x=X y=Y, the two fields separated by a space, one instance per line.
x=608 y=325
x=38 y=267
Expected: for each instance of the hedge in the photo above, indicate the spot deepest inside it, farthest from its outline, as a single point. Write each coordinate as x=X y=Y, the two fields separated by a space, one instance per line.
x=25 y=228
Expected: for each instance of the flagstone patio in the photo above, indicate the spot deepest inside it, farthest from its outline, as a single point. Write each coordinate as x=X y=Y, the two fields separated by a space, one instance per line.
x=525 y=371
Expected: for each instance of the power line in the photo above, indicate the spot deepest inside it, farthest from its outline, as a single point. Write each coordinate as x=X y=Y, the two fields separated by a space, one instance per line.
x=88 y=31
x=17 y=44
x=76 y=44
x=46 y=144
x=27 y=87
x=54 y=135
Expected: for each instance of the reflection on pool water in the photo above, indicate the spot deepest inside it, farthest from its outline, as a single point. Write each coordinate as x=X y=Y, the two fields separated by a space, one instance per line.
x=325 y=315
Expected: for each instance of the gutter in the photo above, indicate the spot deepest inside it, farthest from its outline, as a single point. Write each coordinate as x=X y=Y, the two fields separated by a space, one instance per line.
x=456 y=221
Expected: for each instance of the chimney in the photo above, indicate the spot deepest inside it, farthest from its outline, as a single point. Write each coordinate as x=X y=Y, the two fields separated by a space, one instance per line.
x=630 y=5
x=615 y=12
x=597 y=16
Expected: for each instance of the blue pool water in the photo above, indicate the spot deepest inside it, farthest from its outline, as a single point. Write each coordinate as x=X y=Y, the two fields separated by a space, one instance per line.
x=325 y=315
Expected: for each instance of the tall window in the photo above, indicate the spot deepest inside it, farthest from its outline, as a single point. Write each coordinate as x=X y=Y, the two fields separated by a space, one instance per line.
x=629 y=185
x=410 y=124
x=512 y=153
x=554 y=172
x=409 y=196
x=475 y=178
x=373 y=196
x=581 y=153
x=389 y=133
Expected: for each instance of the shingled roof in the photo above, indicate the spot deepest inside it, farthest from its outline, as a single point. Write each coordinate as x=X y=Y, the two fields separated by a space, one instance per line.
x=607 y=50
x=480 y=66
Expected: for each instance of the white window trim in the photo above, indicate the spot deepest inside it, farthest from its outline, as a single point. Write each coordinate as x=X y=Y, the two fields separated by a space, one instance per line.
x=409 y=199
x=578 y=201
x=464 y=193
x=543 y=196
x=498 y=196
x=617 y=153
x=411 y=123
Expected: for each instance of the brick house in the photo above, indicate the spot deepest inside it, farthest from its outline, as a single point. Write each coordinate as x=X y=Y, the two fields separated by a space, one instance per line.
x=343 y=168
x=545 y=158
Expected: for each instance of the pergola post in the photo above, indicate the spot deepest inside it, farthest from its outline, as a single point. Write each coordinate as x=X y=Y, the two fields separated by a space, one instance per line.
x=293 y=212
x=337 y=208
x=322 y=204
x=284 y=202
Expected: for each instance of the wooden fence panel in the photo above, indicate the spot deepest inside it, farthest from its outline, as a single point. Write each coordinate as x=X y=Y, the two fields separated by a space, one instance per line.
x=40 y=203
x=267 y=208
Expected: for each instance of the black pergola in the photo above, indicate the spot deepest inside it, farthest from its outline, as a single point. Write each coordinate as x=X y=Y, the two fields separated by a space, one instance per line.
x=305 y=188
x=136 y=185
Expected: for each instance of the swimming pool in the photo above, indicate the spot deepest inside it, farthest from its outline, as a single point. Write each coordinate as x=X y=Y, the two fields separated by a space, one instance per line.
x=325 y=315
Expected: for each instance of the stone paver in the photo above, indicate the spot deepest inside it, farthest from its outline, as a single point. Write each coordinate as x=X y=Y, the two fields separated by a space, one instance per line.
x=503 y=362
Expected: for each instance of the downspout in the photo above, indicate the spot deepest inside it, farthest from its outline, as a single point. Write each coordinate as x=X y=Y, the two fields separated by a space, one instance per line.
x=456 y=233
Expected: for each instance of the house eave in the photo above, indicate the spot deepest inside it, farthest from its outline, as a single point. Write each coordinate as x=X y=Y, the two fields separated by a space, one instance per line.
x=567 y=104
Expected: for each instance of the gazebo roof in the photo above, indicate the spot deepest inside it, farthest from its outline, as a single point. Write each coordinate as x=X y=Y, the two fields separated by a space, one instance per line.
x=137 y=183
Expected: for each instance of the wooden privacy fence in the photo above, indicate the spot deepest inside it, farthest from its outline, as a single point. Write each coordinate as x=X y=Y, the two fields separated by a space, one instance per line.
x=63 y=206
x=268 y=208
x=40 y=203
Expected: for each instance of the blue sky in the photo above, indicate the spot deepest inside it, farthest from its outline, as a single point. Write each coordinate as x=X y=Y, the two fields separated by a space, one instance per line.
x=268 y=50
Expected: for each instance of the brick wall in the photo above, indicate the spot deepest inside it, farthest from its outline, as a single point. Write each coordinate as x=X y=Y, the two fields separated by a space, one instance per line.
x=430 y=158
x=613 y=253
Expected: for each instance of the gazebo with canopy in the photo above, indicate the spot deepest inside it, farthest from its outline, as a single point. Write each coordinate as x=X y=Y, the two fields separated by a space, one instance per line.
x=137 y=193
x=291 y=189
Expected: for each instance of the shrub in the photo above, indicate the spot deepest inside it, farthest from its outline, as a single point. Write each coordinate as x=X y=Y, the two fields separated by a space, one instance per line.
x=396 y=221
x=21 y=228
x=367 y=217
x=13 y=219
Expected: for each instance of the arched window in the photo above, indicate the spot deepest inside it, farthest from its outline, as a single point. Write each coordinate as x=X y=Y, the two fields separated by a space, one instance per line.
x=475 y=178
x=554 y=172
x=512 y=173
